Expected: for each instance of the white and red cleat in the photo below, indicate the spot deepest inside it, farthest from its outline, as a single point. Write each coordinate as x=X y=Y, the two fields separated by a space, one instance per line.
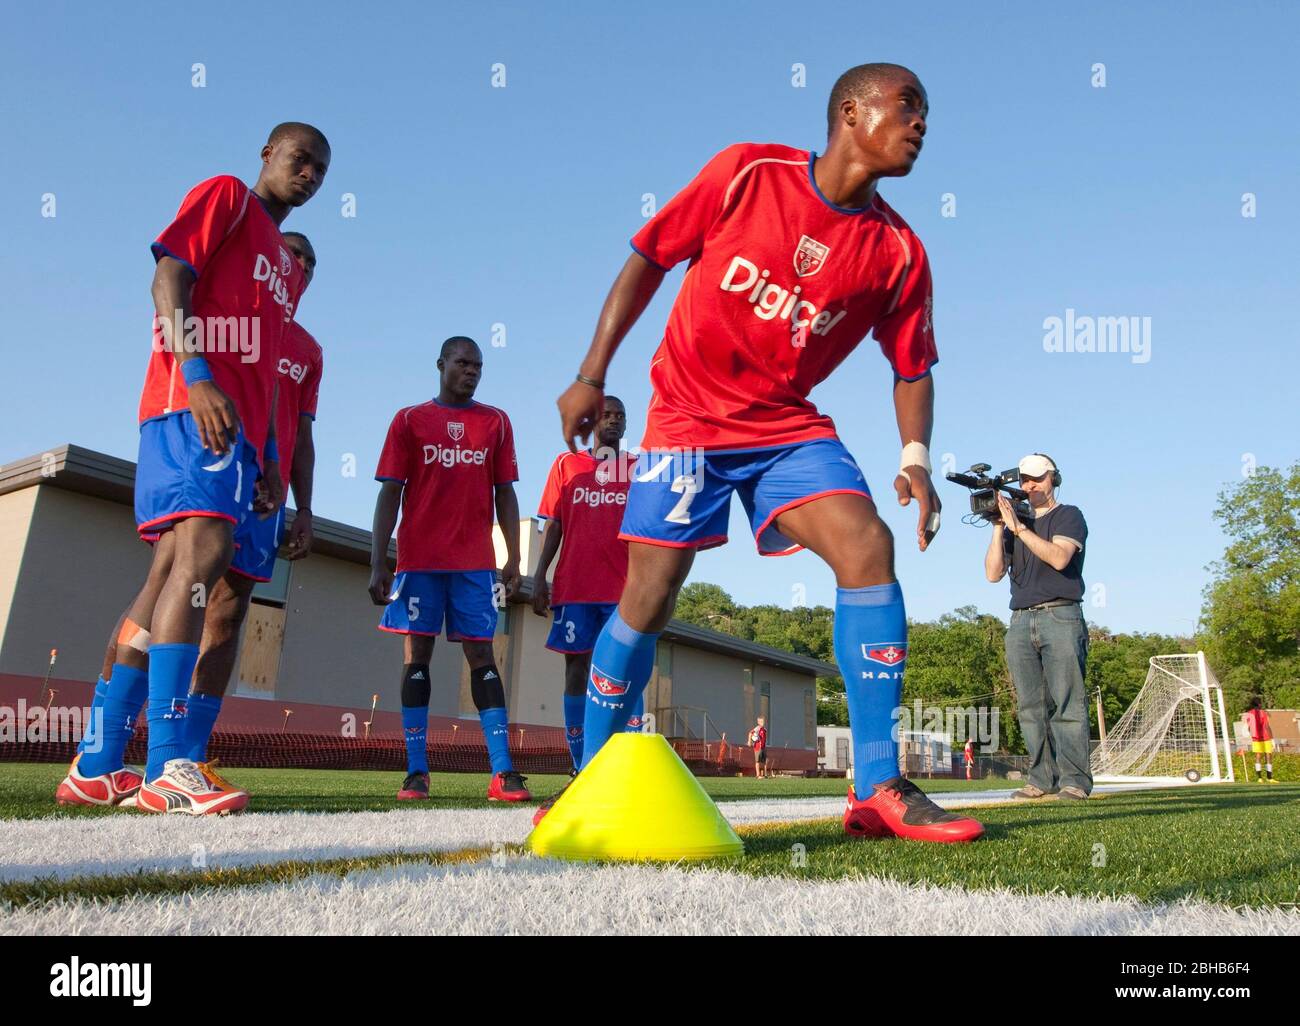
x=109 y=789
x=184 y=788
x=898 y=808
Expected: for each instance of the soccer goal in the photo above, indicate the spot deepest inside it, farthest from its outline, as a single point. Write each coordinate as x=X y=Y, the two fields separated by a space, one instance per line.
x=1175 y=731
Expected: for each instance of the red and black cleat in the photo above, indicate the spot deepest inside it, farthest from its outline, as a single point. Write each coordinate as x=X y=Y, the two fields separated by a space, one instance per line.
x=507 y=787
x=898 y=808
x=414 y=787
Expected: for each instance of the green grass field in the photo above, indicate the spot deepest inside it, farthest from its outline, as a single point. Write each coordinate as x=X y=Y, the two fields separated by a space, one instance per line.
x=27 y=789
x=1228 y=844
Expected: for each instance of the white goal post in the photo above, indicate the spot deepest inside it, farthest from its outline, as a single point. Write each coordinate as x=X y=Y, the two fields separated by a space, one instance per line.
x=1176 y=730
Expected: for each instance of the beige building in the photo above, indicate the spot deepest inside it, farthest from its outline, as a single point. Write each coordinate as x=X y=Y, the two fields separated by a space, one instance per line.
x=70 y=562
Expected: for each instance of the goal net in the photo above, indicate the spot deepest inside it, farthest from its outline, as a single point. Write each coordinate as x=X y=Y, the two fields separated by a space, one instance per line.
x=1175 y=730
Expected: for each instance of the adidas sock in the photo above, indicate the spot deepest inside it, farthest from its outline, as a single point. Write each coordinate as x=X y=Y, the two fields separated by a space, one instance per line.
x=171 y=667
x=127 y=690
x=200 y=718
x=416 y=689
x=637 y=716
x=621 y=664
x=490 y=700
x=575 y=708
x=871 y=649
x=93 y=727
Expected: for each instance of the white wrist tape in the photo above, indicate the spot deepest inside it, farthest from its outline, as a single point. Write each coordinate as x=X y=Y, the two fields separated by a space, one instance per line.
x=915 y=454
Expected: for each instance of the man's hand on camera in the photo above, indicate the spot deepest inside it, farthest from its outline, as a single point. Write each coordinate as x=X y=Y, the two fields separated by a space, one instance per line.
x=1009 y=519
x=914 y=483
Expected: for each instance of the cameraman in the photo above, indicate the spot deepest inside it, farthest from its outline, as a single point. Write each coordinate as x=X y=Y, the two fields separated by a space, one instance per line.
x=1047 y=643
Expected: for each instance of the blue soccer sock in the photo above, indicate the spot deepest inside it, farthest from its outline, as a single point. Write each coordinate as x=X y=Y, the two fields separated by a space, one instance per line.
x=575 y=708
x=199 y=721
x=415 y=728
x=171 y=668
x=637 y=716
x=621 y=664
x=127 y=690
x=92 y=731
x=416 y=689
x=496 y=732
x=871 y=648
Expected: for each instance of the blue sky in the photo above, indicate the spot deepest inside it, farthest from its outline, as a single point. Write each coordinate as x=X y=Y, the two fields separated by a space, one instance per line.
x=479 y=206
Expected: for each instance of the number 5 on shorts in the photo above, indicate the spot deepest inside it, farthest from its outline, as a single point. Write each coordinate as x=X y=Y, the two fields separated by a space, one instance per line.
x=413 y=608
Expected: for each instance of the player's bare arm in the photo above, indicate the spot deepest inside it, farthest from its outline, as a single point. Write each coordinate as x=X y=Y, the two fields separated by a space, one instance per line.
x=914 y=409
x=301 y=475
x=507 y=504
x=550 y=546
x=581 y=404
x=268 y=493
x=381 y=533
x=212 y=409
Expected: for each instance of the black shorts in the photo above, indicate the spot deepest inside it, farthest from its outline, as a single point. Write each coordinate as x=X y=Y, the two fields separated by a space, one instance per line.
x=761 y=755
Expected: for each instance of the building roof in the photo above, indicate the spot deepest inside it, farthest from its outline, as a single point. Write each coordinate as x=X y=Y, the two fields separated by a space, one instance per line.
x=88 y=472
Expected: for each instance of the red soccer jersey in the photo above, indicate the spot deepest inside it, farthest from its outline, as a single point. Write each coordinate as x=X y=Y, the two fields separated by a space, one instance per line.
x=782 y=286
x=758 y=738
x=588 y=497
x=245 y=290
x=1257 y=720
x=300 y=366
x=449 y=458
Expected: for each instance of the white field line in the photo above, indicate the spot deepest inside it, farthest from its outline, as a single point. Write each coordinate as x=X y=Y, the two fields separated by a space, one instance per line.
x=542 y=896
x=135 y=842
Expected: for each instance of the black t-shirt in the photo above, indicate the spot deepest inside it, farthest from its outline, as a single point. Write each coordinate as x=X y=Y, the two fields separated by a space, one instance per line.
x=1034 y=581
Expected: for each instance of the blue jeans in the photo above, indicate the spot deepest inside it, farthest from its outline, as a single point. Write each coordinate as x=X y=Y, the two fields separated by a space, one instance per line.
x=1047 y=650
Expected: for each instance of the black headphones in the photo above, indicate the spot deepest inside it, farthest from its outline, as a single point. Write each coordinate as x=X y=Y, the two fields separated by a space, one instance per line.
x=1056 y=474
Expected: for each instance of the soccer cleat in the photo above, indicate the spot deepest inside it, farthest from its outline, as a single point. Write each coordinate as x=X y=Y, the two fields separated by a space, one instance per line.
x=109 y=789
x=545 y=807
x=507 y=787
x=1272 y=780
x=898 y=808
x=414 y=787
x=184 y=788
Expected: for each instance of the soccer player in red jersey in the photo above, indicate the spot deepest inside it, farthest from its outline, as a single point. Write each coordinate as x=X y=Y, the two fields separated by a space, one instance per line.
x=793 y=259
x=1261 y=739
x=257 y=540
x=225 y=287
x=446 y=463
x=582 y=504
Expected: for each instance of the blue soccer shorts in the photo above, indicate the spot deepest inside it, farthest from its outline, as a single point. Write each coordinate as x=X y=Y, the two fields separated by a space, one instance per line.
x=176 y=478
x=423 y=601
x=577 y=624
x=683 y=499
x=256 y=543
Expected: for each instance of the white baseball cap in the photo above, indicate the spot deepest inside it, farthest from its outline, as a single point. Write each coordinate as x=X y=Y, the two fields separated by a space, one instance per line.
x=1036 y=465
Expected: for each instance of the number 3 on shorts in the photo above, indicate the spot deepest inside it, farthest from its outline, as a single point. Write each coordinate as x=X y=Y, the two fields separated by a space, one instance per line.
x=689 y=485
x=570 y=634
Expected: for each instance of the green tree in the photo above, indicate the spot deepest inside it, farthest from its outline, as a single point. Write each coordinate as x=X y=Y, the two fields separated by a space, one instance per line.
x=1251 y=613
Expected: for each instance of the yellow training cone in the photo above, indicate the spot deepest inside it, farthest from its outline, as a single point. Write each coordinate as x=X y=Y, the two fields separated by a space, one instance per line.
x=636 y=801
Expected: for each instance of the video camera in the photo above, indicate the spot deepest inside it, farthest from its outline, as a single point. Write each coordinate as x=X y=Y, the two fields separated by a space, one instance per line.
x=984 y=492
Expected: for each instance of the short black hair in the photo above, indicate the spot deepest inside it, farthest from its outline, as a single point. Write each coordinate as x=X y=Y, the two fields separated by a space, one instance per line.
x=616 y=399
x=453 y=342
x=298 y=235
x=858 y=82
x=285 y=129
